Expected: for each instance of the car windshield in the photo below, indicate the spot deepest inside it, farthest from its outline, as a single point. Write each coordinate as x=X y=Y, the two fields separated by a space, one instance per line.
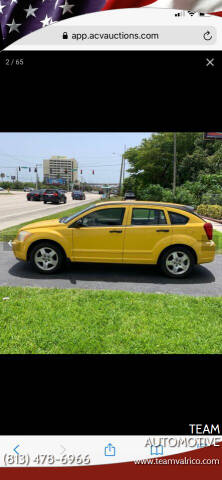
x=72 y=217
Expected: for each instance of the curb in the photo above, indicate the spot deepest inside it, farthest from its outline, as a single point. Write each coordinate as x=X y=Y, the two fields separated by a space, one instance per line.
x=213 y=219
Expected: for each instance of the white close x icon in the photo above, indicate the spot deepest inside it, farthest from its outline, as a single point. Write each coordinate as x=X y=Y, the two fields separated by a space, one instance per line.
x=210 y=62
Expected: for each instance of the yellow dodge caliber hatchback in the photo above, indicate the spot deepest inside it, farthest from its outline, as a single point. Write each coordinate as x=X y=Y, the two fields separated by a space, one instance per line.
x=169 y=235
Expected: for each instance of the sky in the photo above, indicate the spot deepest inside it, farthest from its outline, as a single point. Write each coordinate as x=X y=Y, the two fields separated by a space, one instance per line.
x=100 y=152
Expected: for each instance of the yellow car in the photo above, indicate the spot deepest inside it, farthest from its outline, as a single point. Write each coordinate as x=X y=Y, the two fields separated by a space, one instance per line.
x=169 y=235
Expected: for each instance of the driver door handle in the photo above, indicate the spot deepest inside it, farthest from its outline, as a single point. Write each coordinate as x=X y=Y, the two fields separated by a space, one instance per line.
x=162 y=230
x=115 y=231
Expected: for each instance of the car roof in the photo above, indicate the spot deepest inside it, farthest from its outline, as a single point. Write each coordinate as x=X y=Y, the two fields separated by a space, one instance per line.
x=186 y=208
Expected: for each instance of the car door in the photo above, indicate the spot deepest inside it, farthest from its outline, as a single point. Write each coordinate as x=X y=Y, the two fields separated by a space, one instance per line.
x=99 y=238
x=147 y=233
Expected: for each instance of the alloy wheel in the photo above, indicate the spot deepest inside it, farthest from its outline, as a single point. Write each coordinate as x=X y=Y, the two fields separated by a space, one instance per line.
x=177 y=262
x=46 y=258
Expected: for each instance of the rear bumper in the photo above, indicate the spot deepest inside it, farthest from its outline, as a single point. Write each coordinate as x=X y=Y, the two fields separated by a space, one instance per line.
x=207 y=252
x=52 y=200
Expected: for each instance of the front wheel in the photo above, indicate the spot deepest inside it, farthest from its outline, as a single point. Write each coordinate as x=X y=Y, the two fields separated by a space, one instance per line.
x=46 y=258
x=177 y=262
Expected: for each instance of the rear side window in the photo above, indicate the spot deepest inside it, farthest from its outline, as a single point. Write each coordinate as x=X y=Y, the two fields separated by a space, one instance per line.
x=148 y=216
x=178 y=219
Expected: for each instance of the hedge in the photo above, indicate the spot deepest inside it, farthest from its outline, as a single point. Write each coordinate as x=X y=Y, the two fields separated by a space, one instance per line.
x=213 y=211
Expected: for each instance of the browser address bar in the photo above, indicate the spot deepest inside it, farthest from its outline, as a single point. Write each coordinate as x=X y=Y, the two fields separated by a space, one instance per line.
x=131 y=35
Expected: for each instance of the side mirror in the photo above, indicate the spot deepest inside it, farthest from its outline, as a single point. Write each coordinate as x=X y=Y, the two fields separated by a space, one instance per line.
x=78 y=224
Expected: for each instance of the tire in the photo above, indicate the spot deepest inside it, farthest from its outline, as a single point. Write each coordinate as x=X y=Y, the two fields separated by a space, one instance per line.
x=28 y=199
x=45 y=202
x=177 y=262
x=41 y=255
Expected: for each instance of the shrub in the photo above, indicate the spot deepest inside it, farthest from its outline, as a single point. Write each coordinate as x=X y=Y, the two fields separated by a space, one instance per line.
x=213 y=211
x=184 y=196
x=212 y=199
x=158 y=194
x=152 y=192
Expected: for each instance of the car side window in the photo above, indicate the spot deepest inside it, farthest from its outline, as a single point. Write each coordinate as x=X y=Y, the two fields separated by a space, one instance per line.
x=107 y=217
x=148 y=216
x=178 y=219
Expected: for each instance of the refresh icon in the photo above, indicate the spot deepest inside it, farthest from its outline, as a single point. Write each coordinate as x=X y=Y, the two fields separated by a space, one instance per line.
x=207 y=35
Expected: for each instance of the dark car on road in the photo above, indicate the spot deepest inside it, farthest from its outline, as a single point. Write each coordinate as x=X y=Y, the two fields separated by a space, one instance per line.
x=129 y=196
x=78 y=195
x=35 y=195
x=54 y=196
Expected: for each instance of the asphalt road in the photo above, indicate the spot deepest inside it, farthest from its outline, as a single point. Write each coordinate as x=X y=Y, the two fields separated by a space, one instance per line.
x=15 y=209
x=206 y=280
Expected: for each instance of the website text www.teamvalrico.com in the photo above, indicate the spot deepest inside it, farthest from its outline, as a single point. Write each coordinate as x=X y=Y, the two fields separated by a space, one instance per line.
x=157 y=447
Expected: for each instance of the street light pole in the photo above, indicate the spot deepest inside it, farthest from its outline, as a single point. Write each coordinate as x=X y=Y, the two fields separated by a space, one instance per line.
x=174 y=161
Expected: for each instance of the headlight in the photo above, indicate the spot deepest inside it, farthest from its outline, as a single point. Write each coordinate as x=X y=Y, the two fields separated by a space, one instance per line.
x=23 y=235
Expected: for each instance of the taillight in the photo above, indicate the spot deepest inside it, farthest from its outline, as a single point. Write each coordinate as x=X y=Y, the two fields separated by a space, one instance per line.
x=208 y=227
x=55 y=194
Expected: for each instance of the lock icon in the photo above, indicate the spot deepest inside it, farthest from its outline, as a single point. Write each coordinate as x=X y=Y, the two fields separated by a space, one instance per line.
x=65 y=36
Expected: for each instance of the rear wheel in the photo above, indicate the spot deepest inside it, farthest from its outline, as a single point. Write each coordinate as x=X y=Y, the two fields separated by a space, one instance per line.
x=45 y=201
x=46 y=258
x=177 y=262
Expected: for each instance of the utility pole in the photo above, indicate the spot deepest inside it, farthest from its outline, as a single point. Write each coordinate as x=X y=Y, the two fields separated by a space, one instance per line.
x=36 y=171
x=36 y=178
x=124 y=161
x=122 y=170
x=174 y=161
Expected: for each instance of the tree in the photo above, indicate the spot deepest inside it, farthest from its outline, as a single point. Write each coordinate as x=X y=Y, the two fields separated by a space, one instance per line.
x=152 y=161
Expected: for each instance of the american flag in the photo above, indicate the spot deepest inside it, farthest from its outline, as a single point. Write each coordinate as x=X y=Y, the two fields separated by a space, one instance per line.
x=21 y=17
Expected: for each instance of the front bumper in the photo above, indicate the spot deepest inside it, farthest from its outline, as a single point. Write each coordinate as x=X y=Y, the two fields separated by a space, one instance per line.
x=19 y=250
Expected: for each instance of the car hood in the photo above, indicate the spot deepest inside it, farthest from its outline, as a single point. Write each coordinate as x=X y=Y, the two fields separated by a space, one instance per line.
x=43 y=224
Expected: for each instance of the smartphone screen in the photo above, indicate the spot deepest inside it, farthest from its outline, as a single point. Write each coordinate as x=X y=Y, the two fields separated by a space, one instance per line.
x=110 y=238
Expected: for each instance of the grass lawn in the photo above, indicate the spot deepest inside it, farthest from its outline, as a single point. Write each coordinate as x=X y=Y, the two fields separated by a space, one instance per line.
x=218 y=240
x=83 y=321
